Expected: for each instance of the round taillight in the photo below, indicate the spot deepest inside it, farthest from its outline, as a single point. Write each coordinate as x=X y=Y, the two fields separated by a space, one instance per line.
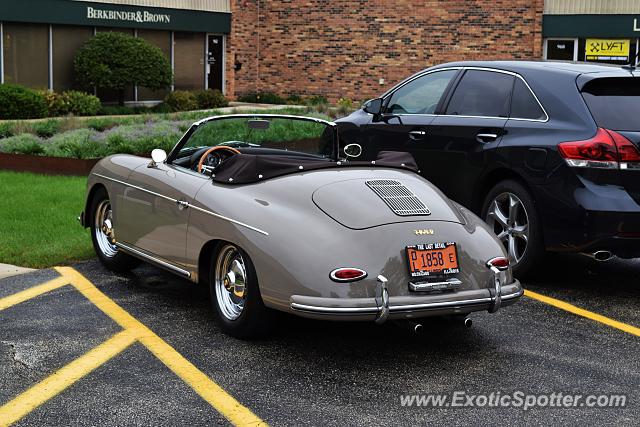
x=347 y=274
x=501 y=263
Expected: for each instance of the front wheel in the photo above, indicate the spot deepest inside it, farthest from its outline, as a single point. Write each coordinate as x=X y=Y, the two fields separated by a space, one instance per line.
x=103 y=236
x=510 y=211
x=236 y=296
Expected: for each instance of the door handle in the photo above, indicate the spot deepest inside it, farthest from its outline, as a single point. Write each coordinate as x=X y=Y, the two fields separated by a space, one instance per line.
x=417 y=134
x=483 y=138
x=182 y=204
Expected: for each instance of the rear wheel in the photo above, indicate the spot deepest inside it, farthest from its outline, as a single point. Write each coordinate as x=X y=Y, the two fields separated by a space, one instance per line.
x=235 y=294
x=510 y=211
x=103 y=236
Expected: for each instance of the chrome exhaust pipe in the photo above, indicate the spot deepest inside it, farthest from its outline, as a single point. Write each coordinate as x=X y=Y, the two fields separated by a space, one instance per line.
x=600 y=256
x=468 y=322
x=415 y=327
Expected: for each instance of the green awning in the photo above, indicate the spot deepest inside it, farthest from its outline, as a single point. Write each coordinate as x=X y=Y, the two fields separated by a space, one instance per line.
x=611 y=26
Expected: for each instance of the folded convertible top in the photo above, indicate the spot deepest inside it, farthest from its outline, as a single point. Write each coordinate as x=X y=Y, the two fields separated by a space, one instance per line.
x=249 y=168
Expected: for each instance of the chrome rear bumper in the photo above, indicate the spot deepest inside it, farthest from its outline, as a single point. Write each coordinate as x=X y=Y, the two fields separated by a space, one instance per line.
x=323 y=307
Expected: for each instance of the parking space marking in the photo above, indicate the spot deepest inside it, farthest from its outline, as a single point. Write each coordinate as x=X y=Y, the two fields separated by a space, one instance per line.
x=33 y=292
x=133 y=331
x=60 y=380
x=584 y=313
x=215 y=395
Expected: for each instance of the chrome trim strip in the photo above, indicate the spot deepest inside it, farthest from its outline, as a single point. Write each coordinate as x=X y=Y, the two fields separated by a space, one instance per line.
x=428 y=286
x=158 y=261
x=392 y=308
x=337 y=310
x=394 y=89
x=189 y=205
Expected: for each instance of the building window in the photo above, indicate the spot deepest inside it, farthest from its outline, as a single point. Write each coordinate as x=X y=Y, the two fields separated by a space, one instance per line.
x=162 y=40
x=67 y=39
x=189 y=51
x=26 y=54
x=561 y=49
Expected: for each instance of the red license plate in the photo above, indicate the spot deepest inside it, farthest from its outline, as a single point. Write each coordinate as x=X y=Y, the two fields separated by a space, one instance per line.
x=432 y=259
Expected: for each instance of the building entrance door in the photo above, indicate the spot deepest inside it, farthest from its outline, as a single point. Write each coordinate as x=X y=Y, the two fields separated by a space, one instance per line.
x=215 y=62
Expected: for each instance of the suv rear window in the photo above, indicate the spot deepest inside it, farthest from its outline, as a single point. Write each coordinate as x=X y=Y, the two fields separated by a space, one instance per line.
x=524 y=105
x=614 y=102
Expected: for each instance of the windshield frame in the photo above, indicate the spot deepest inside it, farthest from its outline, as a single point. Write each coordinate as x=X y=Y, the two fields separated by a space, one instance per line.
x=183 y=140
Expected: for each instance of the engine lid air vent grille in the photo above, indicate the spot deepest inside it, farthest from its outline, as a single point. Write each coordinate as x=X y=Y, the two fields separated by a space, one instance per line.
x=398 y=197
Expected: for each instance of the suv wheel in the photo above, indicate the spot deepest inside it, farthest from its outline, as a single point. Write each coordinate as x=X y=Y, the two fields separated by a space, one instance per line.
x=510 y=211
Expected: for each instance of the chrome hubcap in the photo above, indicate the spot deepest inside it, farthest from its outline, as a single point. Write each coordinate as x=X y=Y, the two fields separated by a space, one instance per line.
x=105 y=234
x=509 y=220
x=230 y=276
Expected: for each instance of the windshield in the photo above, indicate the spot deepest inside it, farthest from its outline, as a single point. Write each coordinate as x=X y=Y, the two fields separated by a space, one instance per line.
x=614 y=102
x=261 y=134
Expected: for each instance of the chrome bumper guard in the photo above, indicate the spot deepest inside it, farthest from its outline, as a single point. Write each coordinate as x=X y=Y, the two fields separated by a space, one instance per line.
x=383 y=308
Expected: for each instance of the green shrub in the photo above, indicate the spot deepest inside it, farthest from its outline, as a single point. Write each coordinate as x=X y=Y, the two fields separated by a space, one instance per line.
x=55 y=103
x=78 y=143
x=295 y=99
x=81 y=103
x=262 y=98
x=18 y=102
x=114 y=60
x=22 y=144
x=318 y=100
x=210 y=98
x=7 y=129
x=47 y=128
x=181 y=100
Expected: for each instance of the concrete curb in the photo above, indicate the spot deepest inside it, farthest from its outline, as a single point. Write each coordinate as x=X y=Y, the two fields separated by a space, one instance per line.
x=8 y=270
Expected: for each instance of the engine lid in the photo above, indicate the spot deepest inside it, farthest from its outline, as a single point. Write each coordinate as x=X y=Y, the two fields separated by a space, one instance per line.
x=370 y=202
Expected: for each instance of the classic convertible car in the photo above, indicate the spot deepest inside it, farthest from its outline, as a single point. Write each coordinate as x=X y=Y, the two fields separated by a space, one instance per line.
x=272 y=213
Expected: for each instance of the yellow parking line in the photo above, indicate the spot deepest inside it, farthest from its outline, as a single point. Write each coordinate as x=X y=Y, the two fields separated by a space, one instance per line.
x=27 y=294
x=223 y=402
x=584 y=313
x=65 y=377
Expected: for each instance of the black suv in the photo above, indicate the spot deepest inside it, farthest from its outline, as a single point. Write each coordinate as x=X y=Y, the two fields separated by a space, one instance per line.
x=547 y=153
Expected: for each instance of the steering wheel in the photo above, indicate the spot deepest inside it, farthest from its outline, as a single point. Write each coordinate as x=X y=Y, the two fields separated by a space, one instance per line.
x=211 y=150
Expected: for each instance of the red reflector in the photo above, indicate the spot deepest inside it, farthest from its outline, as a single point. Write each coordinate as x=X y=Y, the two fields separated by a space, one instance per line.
x=600 y=148
x=347 y=274
x=501 y=263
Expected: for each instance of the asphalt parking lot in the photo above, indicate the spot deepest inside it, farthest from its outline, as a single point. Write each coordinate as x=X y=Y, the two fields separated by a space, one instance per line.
x=98 y=348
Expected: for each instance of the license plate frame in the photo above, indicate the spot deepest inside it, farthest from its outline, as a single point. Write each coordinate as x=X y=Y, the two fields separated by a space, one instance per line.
x=424 y=249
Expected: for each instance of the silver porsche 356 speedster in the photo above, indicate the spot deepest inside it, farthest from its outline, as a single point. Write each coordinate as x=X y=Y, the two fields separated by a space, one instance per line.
x=273 y=213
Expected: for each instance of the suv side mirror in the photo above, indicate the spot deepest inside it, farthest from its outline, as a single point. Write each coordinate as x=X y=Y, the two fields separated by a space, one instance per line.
x=373 y=106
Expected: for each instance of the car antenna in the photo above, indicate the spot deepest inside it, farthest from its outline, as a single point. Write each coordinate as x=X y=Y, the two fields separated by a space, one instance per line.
x=631 y=67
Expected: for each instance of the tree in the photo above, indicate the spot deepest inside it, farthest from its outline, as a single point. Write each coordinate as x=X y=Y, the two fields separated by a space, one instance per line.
x=112 y=60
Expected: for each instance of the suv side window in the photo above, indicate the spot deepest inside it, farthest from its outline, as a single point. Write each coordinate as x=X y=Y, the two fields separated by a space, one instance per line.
x=422 y=95
x=482 y=93
x=523 y=103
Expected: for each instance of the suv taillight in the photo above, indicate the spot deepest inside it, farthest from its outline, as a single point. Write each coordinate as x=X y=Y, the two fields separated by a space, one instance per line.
x=607 y=150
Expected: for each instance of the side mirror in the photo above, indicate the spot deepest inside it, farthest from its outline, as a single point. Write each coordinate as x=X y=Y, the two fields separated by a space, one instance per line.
x=352 y=150
x=158 y=155
x=373 y=106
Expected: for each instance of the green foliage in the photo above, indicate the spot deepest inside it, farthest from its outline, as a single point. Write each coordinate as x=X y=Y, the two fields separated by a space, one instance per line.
x=47 y=128
x=210 y=98
x=55 y=103
x=295 y=99
x=7 y=129
x=77 y=144
x=181 y=100
x=317 y=100
x=22 y=144
x=262 y=98
x=114 y=60
x=18 y=102
x=81 y=103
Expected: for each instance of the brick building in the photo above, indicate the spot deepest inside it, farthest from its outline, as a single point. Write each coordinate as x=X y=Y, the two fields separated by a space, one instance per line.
x=341 y=48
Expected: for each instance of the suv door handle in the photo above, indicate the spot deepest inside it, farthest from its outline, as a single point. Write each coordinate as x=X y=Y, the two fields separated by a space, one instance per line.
x=417 y=134
x=484 y=138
